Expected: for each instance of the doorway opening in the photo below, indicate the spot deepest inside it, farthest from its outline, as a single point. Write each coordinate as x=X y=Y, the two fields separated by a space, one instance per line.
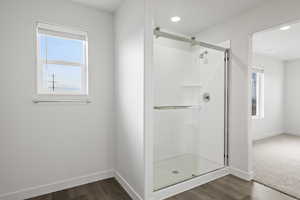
x=275 y=110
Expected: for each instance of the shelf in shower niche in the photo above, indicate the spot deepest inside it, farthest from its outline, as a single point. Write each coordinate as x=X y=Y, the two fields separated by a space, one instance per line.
x=192 y=85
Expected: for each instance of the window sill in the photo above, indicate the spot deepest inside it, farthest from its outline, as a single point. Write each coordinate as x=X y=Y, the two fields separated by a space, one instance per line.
x=65 y=99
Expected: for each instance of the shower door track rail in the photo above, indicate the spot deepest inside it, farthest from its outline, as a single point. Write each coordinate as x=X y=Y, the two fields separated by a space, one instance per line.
x=191 y=40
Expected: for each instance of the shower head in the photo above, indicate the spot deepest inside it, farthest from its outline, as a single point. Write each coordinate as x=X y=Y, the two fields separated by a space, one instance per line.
x=203 y=56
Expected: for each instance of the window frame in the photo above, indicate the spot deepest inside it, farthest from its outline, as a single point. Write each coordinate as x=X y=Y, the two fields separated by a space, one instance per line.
x=260 y=74
x=65 y=31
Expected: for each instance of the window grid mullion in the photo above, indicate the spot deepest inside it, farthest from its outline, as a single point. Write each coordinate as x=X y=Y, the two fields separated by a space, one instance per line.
x=60 y=62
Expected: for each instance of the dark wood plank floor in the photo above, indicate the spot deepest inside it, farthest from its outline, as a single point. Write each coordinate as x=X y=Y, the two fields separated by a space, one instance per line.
x=226 y=188
x=231 y=188
x=108 y=189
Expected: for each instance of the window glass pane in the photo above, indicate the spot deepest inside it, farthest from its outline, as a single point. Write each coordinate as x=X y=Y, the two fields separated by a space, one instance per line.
x=61 y=78
x=55 y=48
x=42 y=41
x=254 y=94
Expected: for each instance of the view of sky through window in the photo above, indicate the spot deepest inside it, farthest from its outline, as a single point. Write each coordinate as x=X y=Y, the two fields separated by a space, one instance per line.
x=65 y=77
x=61 y=77
x=61 y=49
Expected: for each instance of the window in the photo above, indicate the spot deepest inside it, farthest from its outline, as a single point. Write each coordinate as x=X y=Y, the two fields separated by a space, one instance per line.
x=61 y=61
x=257 y=84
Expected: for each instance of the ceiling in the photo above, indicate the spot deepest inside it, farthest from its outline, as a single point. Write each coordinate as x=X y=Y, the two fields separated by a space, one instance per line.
x=283 y=45
x=108 y=5
x=197 y=15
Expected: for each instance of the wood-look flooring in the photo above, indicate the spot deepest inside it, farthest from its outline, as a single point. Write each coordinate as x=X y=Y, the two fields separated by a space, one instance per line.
x=108 y=189
x=226 y=188
x=231 y=188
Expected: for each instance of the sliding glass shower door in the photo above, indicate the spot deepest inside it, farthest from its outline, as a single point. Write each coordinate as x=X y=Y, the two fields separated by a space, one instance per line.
x=189 y=112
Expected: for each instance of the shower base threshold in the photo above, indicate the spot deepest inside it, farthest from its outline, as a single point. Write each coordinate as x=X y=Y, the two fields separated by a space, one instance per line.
x=178 y=169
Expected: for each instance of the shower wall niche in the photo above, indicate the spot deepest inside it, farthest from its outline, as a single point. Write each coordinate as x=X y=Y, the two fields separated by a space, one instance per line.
x=189 y=112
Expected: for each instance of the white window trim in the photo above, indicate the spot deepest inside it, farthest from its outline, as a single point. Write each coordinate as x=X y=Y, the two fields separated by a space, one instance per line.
x=260 y=94
x=70 y=32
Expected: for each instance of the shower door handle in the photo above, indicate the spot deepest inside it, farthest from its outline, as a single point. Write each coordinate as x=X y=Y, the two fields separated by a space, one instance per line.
x=174 y=107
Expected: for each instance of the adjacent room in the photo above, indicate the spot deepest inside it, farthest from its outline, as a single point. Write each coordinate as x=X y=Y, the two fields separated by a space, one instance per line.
x=275 y=110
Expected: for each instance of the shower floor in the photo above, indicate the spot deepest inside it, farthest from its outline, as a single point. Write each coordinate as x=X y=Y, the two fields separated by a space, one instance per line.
x=181 y=168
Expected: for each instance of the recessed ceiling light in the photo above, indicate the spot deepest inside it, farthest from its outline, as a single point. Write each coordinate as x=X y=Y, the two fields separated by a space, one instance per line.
x=175 y=19
x=284 y=28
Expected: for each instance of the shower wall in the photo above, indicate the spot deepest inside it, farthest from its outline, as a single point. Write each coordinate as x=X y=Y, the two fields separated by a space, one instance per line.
x=181 y=78
x=209 y=139
x=170 y=61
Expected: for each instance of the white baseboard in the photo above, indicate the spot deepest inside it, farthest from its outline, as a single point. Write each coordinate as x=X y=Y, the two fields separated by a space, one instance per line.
x=132 y=193
x=69 y=183
x=294 y=133
x=159 y=195
x=57 y=186
x=267 y=135
x=187 y=185
x=248 y=176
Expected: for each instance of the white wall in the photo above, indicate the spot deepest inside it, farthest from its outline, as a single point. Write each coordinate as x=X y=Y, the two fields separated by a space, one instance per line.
x=272 y=123
x=129 y=70
x=49 y=143
x=239 y=31
x=292 y=97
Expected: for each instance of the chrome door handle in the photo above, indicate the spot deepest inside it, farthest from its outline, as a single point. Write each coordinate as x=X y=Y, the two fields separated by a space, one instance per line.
x=175 y=107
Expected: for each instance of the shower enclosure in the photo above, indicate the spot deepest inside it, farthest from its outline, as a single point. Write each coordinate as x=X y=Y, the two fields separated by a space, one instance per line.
x=190 y=108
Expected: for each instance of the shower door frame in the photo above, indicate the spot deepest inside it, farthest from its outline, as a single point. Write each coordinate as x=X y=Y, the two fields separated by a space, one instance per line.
x=158 y=33
x=149 y=105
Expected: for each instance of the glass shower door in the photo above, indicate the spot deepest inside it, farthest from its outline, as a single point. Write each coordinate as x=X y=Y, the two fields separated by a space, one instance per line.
x=189 y=112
